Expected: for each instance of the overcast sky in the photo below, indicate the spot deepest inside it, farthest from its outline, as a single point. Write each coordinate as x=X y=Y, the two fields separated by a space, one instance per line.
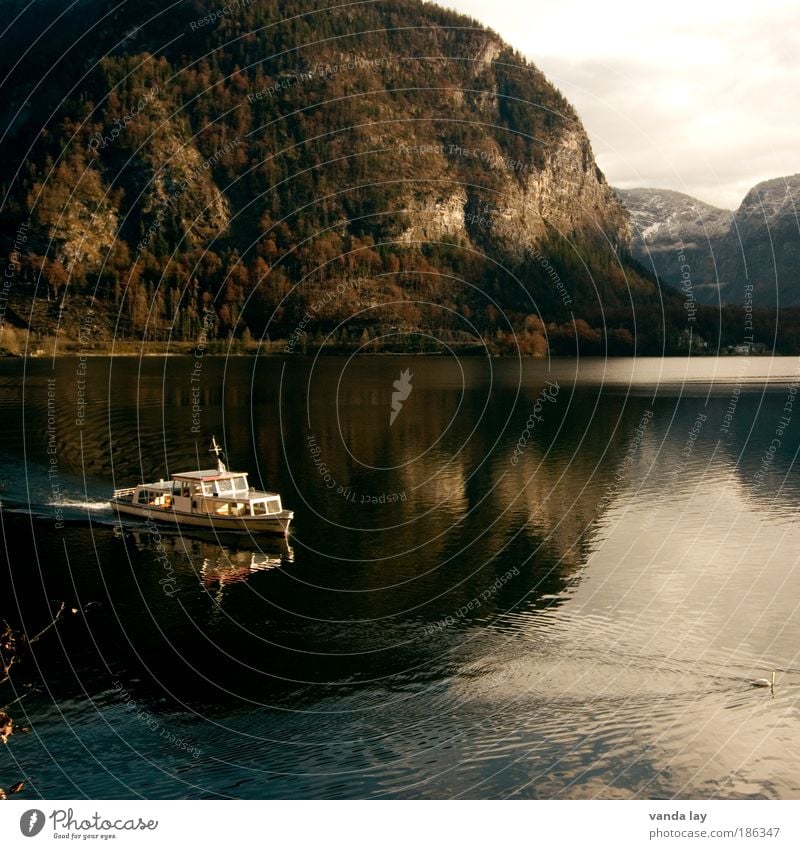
x=693 y=95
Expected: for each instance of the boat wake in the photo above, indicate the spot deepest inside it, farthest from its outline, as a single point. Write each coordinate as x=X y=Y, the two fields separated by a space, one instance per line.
x=62 y=510
x=71 y=503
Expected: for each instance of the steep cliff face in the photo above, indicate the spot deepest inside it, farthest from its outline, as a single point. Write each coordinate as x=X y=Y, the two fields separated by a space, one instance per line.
x=567 y=194
x=256 y=160
x=723 y=252
x=572 y=193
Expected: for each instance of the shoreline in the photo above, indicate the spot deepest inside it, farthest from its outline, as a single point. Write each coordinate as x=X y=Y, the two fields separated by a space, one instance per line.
x=470 y=353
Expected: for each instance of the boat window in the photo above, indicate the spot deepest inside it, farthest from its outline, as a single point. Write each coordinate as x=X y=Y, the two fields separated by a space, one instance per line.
x=207 y=489
x=259 y=508
x=240 y=483
x=225 y=485
x=143 y=496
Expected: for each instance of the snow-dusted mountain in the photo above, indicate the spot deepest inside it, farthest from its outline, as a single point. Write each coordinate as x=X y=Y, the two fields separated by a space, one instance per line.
x=719 y=252
x=675 y=234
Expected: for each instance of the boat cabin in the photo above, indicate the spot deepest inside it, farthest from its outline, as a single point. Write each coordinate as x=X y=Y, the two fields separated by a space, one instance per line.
x=209 y=491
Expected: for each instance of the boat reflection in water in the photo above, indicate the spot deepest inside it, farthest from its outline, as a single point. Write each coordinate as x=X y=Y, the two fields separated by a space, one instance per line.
x=215 y=564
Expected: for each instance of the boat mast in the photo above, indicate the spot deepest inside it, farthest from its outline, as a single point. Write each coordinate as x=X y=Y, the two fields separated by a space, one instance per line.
x=215 y=449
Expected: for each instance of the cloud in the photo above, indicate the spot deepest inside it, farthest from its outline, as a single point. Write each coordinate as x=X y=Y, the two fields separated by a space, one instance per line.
x=699 y=97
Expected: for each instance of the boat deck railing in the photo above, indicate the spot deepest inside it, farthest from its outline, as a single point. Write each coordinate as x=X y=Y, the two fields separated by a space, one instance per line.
x=122 y=493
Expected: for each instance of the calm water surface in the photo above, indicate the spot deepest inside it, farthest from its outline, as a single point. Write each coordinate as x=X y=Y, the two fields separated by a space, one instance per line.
x=503 y=593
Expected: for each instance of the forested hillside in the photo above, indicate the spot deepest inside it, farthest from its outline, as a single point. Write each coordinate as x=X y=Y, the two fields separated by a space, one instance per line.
x=277 y=171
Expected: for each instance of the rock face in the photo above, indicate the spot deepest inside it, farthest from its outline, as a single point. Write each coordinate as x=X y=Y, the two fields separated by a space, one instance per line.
x=721 y=251
x=568 y=194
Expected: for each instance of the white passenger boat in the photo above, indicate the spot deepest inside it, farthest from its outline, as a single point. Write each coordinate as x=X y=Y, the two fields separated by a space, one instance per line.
x=212 y=499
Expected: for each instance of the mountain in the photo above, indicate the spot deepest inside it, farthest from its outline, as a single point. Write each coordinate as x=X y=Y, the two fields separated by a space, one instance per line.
x=718 y=252
x=674 y=233
x=762 y=247
x=275 y=171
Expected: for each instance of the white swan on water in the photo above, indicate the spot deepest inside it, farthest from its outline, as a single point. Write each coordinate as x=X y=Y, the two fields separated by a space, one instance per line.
x=764 y=682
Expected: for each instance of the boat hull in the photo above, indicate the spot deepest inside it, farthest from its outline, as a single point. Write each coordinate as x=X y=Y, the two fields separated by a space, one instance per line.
x=275 y=523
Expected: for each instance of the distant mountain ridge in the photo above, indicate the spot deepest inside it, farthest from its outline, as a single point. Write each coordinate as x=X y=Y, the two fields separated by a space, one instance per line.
x=722 y=252
x=762 y=247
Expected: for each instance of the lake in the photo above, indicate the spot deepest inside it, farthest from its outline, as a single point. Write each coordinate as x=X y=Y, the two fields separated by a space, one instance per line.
x=522 y=579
